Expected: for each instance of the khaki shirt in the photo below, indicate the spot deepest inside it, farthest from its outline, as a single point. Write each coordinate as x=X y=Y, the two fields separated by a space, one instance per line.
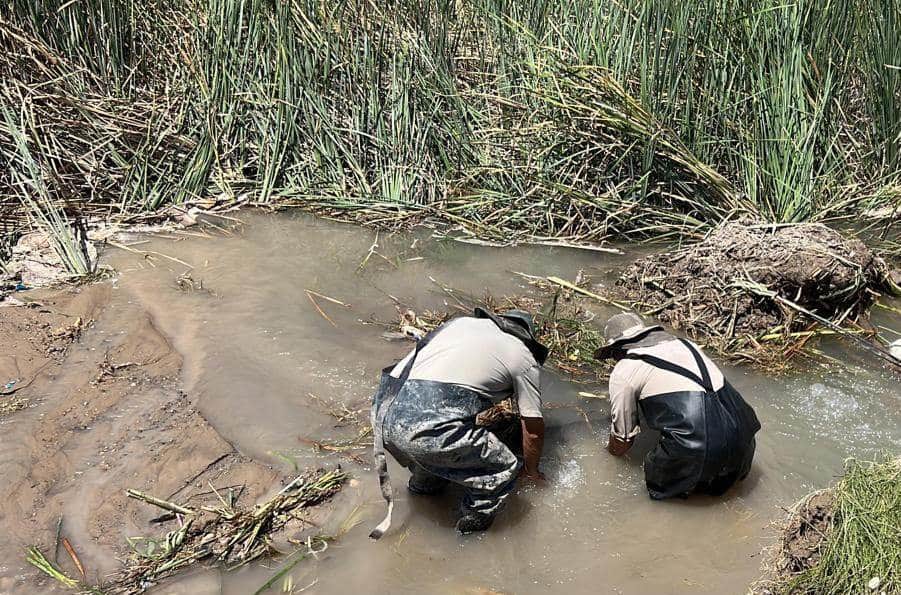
x=633 y=380
x=476 y=354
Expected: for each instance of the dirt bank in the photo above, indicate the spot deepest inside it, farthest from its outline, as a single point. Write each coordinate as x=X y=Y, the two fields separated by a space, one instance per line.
x=104 y=412
x=758 y=292
x=843 y=539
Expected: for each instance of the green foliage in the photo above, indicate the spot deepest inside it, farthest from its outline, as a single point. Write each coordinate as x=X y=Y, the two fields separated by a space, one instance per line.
x=575 y=119
x=36 y=558
x=865 y=542
x=47 y=214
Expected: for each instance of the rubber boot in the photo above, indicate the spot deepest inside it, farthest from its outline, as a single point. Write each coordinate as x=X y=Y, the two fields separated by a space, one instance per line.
x=473 y=522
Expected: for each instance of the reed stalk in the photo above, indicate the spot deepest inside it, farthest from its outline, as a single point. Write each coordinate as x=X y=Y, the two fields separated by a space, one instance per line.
x=579 y=120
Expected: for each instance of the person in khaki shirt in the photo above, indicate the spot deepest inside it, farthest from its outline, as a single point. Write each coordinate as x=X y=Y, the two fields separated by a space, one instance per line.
x=424 y=413
x=706 y=427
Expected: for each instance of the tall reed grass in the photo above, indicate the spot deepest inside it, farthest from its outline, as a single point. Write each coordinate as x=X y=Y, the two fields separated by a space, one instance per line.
x=575 y=119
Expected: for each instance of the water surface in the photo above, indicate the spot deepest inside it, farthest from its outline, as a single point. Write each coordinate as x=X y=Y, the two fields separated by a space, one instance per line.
x=257 y=348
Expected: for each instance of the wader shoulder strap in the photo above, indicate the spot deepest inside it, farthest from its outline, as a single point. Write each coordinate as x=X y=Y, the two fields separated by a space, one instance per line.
x=703 y=380
x=705 y=374
x=378 y=443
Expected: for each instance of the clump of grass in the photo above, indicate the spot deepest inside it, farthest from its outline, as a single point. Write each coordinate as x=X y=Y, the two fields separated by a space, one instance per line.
x=67 y=237
x=858 y=547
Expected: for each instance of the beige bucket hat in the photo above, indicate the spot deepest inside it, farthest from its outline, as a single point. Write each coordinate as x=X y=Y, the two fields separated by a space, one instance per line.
x=621 y=329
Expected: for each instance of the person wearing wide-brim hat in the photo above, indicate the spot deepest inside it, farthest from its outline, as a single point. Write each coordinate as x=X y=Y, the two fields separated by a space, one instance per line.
x=424 y=413
x=706 y=427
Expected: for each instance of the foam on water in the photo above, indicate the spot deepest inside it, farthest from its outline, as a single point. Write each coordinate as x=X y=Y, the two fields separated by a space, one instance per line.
x=847 y=409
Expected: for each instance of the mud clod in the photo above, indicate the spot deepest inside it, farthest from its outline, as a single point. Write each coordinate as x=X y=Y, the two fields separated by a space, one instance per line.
x=703 y=289
x=803 y=539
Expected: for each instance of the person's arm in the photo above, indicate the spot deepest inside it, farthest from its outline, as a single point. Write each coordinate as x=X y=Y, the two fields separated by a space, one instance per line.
x=532 y=445
x=526 y=383
x=617 y=446
x=623 y=408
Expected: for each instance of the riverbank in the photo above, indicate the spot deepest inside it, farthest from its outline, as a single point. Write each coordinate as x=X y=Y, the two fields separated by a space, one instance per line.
x=844 y=538
x=105 y=412
x=507 y=120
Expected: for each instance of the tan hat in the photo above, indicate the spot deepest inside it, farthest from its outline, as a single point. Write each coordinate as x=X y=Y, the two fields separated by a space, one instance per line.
x=621 y=329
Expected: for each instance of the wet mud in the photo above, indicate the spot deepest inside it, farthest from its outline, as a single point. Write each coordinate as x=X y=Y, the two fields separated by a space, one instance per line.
x=804 y=537
x=105 y=413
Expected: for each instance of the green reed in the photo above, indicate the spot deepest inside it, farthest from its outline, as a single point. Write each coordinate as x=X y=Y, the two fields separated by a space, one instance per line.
x=579 y=119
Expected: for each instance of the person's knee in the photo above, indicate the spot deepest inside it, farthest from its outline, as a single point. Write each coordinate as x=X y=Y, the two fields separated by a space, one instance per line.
x=505 y=478
x=424 y=483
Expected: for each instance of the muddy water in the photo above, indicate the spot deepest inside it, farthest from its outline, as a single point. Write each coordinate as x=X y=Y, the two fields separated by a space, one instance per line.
x=255 y=348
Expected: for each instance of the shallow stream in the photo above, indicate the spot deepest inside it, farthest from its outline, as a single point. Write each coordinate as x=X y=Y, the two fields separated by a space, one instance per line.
x=256 y=348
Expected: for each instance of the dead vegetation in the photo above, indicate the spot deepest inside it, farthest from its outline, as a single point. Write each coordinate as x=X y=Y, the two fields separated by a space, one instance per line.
x=760 y=292
x=12 y=404
x=223 y=533
x=108 y=368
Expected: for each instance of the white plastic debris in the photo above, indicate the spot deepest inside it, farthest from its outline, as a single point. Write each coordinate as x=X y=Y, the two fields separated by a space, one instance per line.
x=895 y=349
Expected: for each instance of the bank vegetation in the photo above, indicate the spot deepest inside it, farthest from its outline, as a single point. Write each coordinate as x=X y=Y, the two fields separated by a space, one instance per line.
x=575 y=120
x=843 y=539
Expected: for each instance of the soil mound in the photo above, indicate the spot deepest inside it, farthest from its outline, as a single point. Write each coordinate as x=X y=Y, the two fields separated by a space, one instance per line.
x=748 y=283
x=803 y=539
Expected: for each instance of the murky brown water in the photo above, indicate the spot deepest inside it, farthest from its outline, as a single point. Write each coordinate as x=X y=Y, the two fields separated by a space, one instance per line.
x=255 y=350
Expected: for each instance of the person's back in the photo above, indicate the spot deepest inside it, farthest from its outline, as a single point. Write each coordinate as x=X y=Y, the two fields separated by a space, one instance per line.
x=634 y=379
x=706 y=428
x=424 y=412
x=474 y=353
x=650 y=380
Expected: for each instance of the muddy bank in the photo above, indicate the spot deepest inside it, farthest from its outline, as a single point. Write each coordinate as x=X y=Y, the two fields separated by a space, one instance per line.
x=105 y=412
x=761 y=293
x=37 y=332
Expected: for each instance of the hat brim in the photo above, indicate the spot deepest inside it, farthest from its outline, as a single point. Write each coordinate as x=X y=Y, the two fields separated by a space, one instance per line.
x=607 y=350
